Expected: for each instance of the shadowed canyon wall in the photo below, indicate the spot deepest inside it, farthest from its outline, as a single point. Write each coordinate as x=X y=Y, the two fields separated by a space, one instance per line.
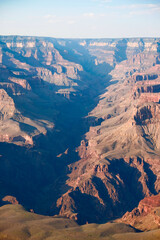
x=79 y=124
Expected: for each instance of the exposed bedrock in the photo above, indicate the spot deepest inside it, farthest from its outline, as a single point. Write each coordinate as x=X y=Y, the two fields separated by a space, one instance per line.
x=79 y=125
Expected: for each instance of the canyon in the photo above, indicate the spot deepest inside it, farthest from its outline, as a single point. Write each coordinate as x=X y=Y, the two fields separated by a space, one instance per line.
x=79 y=127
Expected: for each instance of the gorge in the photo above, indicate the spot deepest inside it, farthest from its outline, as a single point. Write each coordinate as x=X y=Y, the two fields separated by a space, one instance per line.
x=79 y=128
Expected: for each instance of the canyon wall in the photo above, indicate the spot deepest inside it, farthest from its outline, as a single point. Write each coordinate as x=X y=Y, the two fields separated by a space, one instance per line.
x=79 y=124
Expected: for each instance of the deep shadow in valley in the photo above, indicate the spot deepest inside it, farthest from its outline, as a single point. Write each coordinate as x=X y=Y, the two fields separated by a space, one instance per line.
x=37 y=175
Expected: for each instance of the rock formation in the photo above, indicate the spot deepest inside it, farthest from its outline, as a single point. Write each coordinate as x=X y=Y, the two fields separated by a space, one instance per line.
x=99 y=99
x=120 y=156
x=146 y=216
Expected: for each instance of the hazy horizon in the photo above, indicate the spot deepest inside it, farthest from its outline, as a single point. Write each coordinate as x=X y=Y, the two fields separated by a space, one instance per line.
x=81 y=19
x=78 y=38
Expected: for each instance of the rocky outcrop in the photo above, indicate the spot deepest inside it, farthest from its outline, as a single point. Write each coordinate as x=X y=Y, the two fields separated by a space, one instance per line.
x=13 y=126
x=21 y=82
x=7 y=106
x=146 y=216
x=10 y=199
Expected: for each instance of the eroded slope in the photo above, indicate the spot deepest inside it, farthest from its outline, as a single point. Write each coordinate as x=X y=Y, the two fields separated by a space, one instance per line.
x=54 y=99
x=120 y=157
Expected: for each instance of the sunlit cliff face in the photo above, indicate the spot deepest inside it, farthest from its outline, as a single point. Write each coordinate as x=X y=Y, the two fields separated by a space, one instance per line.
x=81 y=117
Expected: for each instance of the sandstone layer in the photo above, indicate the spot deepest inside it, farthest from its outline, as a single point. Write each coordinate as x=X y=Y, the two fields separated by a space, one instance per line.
x=79 y=125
